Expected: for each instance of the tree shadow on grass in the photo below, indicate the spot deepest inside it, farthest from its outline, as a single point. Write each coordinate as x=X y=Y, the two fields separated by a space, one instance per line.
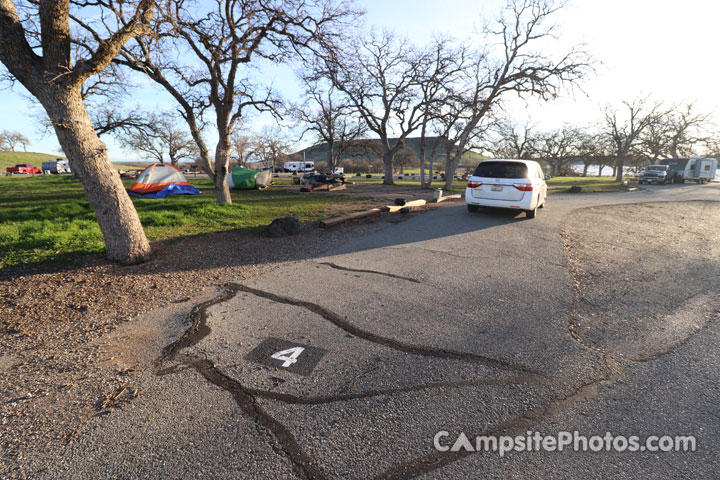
x=245 y=246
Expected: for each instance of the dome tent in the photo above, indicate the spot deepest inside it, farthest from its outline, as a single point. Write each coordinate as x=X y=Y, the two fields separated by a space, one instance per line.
x=160 y=180
x=245 y=179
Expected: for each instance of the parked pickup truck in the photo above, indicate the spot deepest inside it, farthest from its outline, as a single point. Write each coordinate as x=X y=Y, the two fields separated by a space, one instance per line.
x=23 y=168
x=656 y=174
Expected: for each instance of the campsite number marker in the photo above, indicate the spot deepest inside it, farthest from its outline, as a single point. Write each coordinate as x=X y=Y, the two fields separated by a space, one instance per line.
x=288 y=360
x=287 y=355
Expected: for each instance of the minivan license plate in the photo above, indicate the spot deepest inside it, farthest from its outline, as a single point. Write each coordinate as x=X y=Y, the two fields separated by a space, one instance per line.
x=497 y=188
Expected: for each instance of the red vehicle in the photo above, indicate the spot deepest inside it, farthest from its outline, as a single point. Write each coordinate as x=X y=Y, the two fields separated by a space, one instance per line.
x=23 y=168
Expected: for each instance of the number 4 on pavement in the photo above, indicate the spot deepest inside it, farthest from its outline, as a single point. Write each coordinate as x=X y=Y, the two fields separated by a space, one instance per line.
x=289 y=356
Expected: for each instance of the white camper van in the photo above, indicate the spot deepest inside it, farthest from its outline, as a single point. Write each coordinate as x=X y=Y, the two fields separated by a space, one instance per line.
x=56 y=166
x=294 y=167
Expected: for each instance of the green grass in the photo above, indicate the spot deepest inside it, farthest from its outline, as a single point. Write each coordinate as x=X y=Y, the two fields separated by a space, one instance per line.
x=47 y=217
x=588 y=184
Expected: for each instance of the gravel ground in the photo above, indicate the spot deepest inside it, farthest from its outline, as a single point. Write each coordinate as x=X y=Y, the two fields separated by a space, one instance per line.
x=646 y=274
x=73 y=338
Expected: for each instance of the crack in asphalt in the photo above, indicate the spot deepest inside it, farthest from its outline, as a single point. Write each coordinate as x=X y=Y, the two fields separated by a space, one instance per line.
x=514 y=426
x=246 y=400
x=348 y=327
x=360 y=270
x=646 y=357
x=305 y=466
x=527 y=420
x=199 y=328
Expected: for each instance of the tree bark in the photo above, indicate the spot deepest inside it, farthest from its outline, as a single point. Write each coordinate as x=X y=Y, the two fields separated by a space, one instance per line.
x=125 y=239
x=388 y=163
x=450 y=169
x=331 y=157
x=222 y=159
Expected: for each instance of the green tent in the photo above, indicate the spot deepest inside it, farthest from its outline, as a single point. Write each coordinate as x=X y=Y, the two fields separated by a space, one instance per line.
x=245 y=179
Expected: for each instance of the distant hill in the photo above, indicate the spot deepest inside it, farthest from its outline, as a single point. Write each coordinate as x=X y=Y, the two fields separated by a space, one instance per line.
x=367 y=147
x=131 y=165
x=10 y=159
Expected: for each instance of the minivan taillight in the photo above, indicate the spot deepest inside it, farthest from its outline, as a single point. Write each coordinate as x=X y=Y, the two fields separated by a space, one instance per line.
x=523 y=187
x=474 y=184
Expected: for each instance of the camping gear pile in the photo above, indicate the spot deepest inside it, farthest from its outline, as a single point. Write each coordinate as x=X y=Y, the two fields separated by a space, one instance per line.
x=160 y=180
x=241 y=178
x=311 y=181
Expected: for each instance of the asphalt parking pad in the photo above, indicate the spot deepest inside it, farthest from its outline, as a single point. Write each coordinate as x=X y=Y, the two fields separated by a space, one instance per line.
x=287 y=355
x=247 y=330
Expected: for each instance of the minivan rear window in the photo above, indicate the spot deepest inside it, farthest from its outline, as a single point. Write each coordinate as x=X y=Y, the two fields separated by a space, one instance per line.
x=501 y=170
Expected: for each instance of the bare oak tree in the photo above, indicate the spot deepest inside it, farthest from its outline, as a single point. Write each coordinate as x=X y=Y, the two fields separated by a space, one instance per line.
x=37 y=52
x=592 y=148
x=382 y=81
x=678 y=132
x=510 y=140
x=271 y=147
x=625 y=125
x=329 y=117
x=222 y=39
x=159 y=137
x=517 y=68
x=9 y=140
x=240 y=146
x=443 y=64
x=557 y=148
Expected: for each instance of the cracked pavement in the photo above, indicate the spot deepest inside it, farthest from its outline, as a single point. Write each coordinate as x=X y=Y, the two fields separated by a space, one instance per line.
x=476 y=323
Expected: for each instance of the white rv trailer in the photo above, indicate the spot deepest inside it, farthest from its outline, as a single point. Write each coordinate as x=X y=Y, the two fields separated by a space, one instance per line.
x=293 y=167
x=56 y=166
x=693 y=169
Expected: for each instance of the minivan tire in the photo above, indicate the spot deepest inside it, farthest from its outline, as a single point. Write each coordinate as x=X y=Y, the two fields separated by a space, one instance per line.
x=472 y=208
x=531 y=213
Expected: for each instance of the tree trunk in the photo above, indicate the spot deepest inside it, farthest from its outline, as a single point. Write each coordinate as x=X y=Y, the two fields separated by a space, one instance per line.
x=428 y=183
x=388 y=163
x=331 y=158
x=222 y=159
x=585 y=169
x=450 y=169
x=422 y=167
x=616 y=170
x=125 y=239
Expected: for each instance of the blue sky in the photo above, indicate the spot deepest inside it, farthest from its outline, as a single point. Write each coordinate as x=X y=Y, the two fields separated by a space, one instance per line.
x=664 y=48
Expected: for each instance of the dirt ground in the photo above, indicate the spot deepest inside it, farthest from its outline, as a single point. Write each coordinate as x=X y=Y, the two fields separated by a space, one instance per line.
x=72 y=337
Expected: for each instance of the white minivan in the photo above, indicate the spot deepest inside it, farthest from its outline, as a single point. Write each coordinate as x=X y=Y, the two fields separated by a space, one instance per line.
x=514 y=184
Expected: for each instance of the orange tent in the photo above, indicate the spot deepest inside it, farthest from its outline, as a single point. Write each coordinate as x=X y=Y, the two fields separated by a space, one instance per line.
x=156 y=177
